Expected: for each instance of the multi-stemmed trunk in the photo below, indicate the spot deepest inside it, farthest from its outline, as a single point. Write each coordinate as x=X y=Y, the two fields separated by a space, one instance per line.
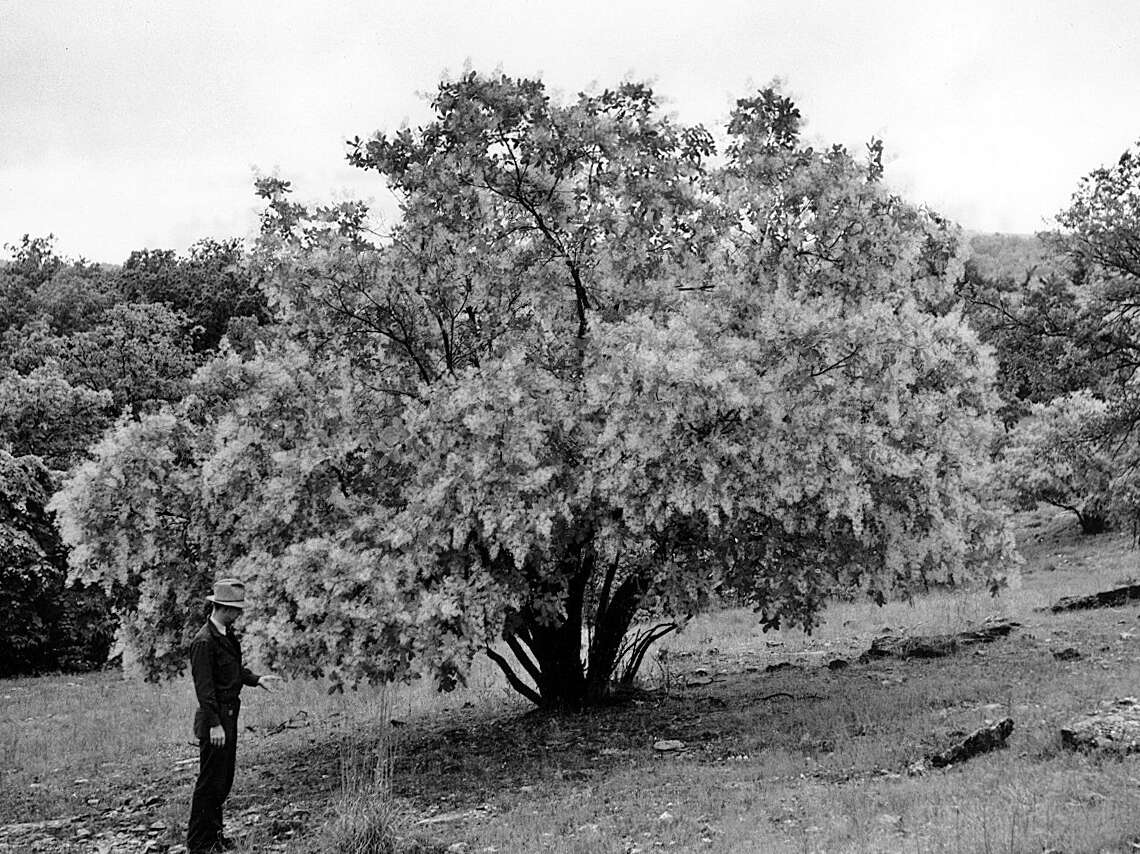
x=1092 y=517
x=596 y=622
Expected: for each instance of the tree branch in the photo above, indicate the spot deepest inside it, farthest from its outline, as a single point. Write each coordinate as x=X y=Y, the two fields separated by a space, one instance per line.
x=839 y=364
x=525 y=660
x=604 y=596
x=512 y=677
x=641 y=646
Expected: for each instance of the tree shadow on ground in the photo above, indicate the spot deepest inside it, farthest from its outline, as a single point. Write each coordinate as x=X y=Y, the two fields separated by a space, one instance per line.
x=471 y=762
x=474 y=756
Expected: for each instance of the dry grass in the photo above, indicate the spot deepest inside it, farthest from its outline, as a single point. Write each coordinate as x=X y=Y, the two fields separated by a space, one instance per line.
x=364 y=816
x=825 y=771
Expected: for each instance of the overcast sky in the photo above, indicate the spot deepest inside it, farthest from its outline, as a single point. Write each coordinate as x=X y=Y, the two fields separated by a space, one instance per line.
x=126 y=125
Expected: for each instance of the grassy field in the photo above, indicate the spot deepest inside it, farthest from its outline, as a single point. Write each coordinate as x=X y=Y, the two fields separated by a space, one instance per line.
x=107 y=764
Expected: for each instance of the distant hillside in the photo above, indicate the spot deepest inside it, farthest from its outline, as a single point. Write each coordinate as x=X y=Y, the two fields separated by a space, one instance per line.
x=1007 y=256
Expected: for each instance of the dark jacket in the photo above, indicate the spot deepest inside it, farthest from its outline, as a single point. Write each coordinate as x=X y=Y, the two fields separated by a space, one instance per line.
x=215 y=663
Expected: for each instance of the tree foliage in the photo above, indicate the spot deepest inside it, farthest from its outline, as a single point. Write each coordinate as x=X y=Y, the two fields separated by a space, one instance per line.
x=48 y=624
x=1021 y=297
x=140 y=353
x=1057 y=455
x=1069 y=342
x=1099 y=235
x=73 y=300
x=210 y=285
x=33 y=263
x=592 y=375
x=79 y=344
x=43 y=414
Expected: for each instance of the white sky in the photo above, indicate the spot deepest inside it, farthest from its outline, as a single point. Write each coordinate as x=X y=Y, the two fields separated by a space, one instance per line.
x=126 y=125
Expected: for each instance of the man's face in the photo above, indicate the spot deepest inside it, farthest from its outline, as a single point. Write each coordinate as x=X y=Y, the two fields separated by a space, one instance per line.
x=227 y=615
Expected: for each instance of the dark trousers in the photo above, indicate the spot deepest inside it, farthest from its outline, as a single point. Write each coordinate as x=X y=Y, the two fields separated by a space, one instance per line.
x=215 y=779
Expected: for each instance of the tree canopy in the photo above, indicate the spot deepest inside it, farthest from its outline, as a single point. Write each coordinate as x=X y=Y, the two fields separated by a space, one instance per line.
x=597 y=372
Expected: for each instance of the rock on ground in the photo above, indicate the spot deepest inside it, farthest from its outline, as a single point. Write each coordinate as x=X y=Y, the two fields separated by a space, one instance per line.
x=1115 y=728
x=935 y=646
x=1104 y=599
x=980 y=741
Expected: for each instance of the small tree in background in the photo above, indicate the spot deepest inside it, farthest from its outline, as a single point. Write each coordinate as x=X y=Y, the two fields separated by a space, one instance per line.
x=1057 y=455
x=33 y=263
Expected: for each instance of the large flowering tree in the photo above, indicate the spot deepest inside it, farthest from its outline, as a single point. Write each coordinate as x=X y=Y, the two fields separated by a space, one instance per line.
x=596 y=372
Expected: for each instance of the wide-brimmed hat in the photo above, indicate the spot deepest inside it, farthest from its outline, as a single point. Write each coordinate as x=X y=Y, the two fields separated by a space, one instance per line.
x=229 y=592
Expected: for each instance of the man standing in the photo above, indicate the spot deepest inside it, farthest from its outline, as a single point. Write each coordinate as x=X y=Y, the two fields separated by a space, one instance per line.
x=215 y=662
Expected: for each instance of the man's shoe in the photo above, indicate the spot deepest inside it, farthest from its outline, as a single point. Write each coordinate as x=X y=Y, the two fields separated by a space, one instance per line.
x=221 y=844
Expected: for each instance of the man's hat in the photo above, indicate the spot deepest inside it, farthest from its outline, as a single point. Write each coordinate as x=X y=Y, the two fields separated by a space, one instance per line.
x=229 y=592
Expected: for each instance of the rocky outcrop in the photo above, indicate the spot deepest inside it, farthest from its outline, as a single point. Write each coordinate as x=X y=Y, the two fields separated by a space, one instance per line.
x=1104 y=599
x=1114 y=728
x=935 y=646
x=919 y=646
x=980 y=741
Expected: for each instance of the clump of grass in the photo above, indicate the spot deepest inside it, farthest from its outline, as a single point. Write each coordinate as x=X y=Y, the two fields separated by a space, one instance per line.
x=362 y=824
x=363 y=817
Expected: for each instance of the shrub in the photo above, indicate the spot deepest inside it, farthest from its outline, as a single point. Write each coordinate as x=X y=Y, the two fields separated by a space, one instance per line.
x=1056 y=455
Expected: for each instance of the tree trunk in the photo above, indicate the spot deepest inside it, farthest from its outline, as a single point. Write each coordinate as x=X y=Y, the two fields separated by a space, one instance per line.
x=551 y=654
x=611 y=623
x=1092 y=519
x=1092 y=523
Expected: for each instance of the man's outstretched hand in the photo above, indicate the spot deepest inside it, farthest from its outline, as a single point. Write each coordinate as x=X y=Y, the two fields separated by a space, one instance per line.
x=269 y=682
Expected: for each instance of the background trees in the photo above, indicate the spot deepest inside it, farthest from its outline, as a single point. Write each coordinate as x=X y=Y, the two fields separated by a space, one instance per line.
x=1022 y=299
x=590 y=377
x=210 y=286
x=48 y=623
x=1061 y=314
x=1053 y=456
x=80 y=345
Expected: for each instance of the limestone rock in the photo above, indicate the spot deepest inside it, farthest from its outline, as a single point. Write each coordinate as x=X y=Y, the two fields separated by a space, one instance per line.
x=1115 y=728
x=781 y=665
x=1104 y=599
x=976 y=743
x=921 y=646
x=935 y=646
x=988 y=632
